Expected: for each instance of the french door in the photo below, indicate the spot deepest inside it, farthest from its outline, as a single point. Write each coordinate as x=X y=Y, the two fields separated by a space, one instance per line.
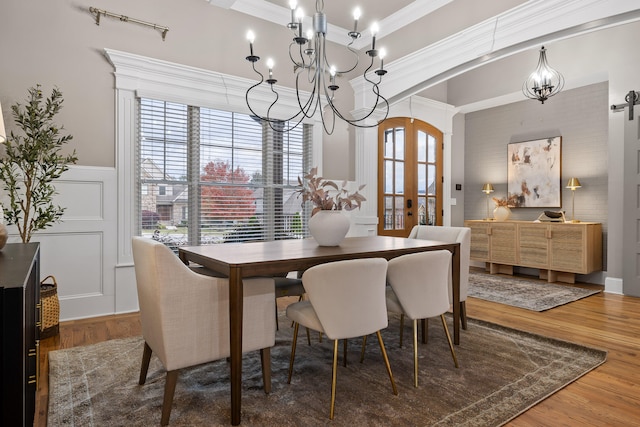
x=410 y=176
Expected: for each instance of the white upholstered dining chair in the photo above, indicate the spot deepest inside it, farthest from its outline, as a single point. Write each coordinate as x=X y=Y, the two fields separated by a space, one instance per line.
x=346 y=300
x=185 y=316
x=446 y=234
x=418 y=289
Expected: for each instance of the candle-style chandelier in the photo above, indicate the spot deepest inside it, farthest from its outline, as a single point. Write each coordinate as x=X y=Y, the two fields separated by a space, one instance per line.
x=315 y=77
x=544 y=82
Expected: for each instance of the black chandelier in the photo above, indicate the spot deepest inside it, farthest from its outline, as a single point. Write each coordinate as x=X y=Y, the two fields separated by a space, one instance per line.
x=315 y=76
x=544 y=82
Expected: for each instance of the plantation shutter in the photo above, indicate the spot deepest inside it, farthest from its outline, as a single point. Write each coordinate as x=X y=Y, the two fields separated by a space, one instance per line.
x=211 y=176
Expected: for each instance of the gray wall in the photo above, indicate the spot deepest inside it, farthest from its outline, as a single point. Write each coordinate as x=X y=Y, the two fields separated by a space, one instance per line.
x=57 y=43
x=580 y=116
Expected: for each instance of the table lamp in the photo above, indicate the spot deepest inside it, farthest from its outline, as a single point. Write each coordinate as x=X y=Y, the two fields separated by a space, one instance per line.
x=487 y=189
x=573 y=184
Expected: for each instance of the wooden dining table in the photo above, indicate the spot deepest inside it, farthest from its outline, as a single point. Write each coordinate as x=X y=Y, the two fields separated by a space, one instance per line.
x=241 y=260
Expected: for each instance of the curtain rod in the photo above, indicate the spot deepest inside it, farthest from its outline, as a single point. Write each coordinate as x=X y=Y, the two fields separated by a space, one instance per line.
x=97 y=12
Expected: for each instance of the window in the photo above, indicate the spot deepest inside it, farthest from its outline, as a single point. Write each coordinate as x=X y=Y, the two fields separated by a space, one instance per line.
x=219 y=176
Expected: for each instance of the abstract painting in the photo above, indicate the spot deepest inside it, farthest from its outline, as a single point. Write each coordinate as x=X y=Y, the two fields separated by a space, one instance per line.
x=533 y=173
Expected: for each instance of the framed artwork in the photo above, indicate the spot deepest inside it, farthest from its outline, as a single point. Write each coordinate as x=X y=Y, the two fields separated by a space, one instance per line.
x=533 y=173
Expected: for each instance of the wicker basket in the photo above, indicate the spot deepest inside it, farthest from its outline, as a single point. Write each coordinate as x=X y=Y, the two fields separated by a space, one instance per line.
x=50 y=308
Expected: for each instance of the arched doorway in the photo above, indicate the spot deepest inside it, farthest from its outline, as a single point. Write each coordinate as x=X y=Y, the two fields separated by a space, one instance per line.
x=410 y=175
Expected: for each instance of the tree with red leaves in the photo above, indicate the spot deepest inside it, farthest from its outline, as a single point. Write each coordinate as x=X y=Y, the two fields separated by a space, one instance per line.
x=229 y=200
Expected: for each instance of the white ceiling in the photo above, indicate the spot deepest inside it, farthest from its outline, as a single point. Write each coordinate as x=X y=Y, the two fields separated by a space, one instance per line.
x=462 y=34
x=435 y=19
x=340 y=13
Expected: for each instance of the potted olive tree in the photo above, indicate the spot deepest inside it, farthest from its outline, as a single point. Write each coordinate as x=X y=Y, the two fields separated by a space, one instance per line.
x=32 y=162
x=28 y=167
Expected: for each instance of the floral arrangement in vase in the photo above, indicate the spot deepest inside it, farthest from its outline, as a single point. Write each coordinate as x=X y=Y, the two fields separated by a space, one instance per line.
x=502 y=211
x=317 y=190
x=329 y=227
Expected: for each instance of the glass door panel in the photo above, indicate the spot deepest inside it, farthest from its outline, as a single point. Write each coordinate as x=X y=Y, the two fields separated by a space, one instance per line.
x=410 y=180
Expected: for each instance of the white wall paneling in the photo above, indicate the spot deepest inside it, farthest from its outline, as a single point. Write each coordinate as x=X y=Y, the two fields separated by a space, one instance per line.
x=80 y=250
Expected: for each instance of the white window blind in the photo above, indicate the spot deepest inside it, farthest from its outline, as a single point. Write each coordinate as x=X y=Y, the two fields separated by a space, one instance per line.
x=209 y=176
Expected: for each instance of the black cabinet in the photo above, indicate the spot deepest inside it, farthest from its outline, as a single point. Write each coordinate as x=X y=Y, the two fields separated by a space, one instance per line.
x=19 y=332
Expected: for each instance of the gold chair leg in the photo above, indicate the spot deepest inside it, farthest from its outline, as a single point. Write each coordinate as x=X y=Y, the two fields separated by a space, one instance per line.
x=308 y=336
x=386 y=362
x=401 y=328
x=364 y=344
x=446 y=331
x=300 y=298
x=293 y=351
x=415 y=353
x=144 y=368
x=334 y=376
x=169 y=389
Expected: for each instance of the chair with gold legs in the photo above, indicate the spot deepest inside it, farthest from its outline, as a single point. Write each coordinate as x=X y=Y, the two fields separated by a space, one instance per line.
x=346 y=300
x=447 y=234
x=419 y=290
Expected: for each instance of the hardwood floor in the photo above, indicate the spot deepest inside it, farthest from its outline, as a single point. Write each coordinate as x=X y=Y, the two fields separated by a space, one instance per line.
x=607 y=396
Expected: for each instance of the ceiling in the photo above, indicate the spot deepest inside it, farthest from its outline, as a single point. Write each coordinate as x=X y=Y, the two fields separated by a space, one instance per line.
x=404 y=24
x=462 y=34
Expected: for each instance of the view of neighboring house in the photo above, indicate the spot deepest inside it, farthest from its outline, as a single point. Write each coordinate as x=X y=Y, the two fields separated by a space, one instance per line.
x=165 y=202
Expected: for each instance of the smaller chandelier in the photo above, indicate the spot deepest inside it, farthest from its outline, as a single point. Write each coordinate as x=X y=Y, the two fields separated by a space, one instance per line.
x=315 y=77
x=544 y=82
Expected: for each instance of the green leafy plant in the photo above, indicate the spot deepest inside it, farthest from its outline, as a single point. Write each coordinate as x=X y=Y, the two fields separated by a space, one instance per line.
x=32 y=161
x=316 y=189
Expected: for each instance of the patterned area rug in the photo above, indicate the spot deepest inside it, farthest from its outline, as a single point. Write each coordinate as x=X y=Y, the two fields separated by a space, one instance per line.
x=530 y=294
x=502 y=373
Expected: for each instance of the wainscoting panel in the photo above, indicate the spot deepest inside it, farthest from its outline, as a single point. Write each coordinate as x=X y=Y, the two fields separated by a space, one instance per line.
x=80 y=251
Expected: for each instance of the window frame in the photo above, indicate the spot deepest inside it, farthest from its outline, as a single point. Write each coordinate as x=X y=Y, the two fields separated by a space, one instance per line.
x=174 y=144
x=141 y=76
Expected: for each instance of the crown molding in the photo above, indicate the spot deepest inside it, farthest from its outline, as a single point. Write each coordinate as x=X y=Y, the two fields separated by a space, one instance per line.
x=511 y=32
x=159 y=79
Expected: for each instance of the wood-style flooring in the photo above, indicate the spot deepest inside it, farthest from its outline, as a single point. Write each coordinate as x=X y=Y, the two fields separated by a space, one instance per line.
x=607 y=396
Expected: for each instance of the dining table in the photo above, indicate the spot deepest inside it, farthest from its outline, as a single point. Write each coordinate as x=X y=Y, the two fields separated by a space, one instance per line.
x=271 y=258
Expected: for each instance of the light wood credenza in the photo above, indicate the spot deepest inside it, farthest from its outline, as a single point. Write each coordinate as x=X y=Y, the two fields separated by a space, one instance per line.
x=558 y=250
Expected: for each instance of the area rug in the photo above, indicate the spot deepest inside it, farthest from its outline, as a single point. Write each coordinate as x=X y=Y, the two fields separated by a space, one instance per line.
x=529 y=294
x=502 y=373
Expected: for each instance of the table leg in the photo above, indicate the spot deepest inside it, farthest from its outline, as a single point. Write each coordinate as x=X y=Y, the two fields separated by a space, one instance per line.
x=235 y=336
x=455 y=270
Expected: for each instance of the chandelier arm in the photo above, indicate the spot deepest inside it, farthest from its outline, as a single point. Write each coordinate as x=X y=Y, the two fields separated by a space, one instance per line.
x=296 y=64
x=326 y=60
x=251 y=88
x=304 y=110
x=267 y=118
x=312 y=60
x=312 y=74
x=322 y=115
x=271 y=106
x=356 y=122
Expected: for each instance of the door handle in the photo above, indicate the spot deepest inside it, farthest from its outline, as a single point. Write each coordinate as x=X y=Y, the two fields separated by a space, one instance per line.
x=409 y=206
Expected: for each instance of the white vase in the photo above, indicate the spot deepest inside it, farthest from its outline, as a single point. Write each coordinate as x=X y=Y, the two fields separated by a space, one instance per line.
x=329 y=228
x=501 y=213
